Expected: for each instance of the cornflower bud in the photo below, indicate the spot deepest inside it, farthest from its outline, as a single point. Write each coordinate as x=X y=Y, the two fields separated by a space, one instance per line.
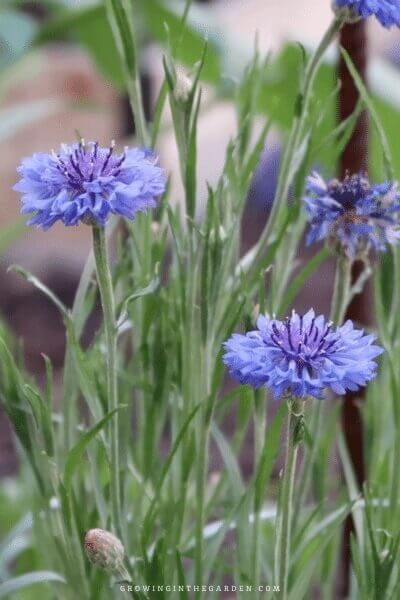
x=105 y=550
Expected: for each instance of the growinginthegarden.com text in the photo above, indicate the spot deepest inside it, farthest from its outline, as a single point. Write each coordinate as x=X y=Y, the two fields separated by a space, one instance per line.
x=199 y=588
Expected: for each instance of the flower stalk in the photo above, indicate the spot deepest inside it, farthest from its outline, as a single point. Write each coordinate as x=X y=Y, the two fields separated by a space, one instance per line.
x=108 y=305
x=294 y=141
x=341 y=290
x=259 y=436
x=294 y=436
x=340 y=301
x=203 y=440
x=201 y=478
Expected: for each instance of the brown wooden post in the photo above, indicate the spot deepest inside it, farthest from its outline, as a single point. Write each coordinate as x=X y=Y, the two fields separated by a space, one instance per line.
x=354 y=159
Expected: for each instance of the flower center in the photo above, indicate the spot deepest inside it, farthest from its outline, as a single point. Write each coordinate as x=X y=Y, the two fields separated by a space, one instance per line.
x=350 y=190
x=83 y=164
x=302 y=344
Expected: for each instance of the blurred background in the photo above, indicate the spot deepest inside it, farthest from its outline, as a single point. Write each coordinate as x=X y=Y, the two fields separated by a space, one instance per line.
x=59 y=75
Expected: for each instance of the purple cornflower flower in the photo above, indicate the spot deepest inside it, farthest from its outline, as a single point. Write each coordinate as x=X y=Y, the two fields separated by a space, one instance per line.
x=302 y=356
x=354 y=211
x=386 y=11
x=85 y=183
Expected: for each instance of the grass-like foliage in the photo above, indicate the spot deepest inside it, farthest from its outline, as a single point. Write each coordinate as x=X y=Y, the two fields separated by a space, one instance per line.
x=133 y=484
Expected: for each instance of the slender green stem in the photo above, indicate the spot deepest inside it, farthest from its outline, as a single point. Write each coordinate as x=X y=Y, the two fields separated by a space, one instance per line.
x=136 y=102
x=395 y=481
x=286 y=499
x=341 y=290
x=340 y=300
x=295 y=139
x=121 y=15
x=395 y=307
x=69 y=384
x=259 y=436
x=201 y=476
x=68 y=404
x=309 y=459
x=108 y=306
x=203 y=438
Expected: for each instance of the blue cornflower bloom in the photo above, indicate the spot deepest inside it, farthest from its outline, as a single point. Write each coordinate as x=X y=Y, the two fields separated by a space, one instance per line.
x=355 y=212
x=302 y=356
x=84 y=183
x=386 y=11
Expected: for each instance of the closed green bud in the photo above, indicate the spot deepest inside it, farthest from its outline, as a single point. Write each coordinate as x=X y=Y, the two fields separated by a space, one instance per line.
x=105 y=550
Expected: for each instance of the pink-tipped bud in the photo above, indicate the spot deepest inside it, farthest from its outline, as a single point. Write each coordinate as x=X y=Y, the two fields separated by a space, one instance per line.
x=105 y=550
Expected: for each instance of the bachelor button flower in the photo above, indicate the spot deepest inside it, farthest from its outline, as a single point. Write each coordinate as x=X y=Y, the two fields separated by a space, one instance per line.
x=302 y=356
x=386 y=11
x=84 y=183
x=357 y=213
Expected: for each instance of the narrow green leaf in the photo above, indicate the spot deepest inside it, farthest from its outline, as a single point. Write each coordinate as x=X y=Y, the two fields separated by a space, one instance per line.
x=16 y=541
x=42 y=287
x=23 y=581
x=86 y=376
x=191 y=163
x=181 y=576
x=387 y=155
x=158 y=111
x=148 y=518
x=49 y=381
x=231 y=463
x=43 y=417
x=300 y=279
x=268 y=456
x=120 y=18
x=75 y=454
x=149 y=289
x=188 y=44
x=352 y=486
x=339 y=137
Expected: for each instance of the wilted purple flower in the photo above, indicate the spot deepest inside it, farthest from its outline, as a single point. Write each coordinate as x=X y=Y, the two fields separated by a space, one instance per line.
x=302 y=356
x=386 y=11
x=353 y=211
x=84 y=183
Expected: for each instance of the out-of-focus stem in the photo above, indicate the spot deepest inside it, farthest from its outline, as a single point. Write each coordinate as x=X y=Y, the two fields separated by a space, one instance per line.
x=289 y=157
x=108 y=306
x=340 y=300
x=341 y=290
x=203 y=440
x=295 y=415
x=121 y=16
x=259 y=436
x=201 y=478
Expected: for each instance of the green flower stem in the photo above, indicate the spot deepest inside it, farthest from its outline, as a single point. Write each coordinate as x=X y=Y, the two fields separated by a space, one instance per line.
x=201 y=480
x=340 y=301
x=395 y=307
x=69 y=384
x=136 y=102
x=395 y=480
x=295 y=417
x=68 y=403
x=341 y=291
x=203 y=440
x=122 y=17
x=259 y=436
x=108 y=306
x=294 y=141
